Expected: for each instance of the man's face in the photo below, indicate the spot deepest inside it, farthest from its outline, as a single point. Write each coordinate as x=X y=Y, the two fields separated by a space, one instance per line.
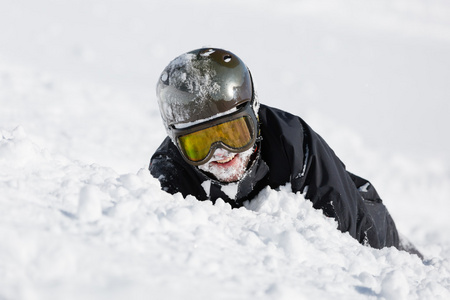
x=227 y=166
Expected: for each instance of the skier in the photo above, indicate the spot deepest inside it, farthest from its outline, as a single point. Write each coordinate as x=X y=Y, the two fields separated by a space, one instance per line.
x=222 y=143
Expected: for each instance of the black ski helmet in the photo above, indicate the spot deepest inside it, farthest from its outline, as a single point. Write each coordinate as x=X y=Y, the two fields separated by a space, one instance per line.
x=201 y=84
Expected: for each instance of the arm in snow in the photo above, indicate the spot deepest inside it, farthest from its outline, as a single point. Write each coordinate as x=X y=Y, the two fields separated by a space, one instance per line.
x=332 y=189
x=173 y=173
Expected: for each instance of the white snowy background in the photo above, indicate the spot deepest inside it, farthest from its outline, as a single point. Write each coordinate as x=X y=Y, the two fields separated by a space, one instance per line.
x=81 y=218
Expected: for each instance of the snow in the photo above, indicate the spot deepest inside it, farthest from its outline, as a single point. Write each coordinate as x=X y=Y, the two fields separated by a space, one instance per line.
x=89 y=204
x=210 y=51
x=206 y=185
x=364 y=187
x=198 y=82
x=81 y=217
x=231 y=190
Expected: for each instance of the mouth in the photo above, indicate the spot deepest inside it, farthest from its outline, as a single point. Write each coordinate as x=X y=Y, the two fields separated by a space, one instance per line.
x=225 y=160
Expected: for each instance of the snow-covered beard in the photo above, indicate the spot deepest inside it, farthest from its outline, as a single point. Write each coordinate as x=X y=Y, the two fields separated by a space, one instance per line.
x=227 y=166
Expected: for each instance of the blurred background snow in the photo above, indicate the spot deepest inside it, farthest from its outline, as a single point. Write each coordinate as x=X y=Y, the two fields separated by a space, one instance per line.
x=380 y=68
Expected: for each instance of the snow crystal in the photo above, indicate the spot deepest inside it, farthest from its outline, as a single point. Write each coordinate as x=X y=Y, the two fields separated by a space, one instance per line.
x=89 y=207
x=206 y=185
x=394 y=286
x=230 y=189
x=364 y=188
x=200 y=80
x=208 y=53
x=16 y=149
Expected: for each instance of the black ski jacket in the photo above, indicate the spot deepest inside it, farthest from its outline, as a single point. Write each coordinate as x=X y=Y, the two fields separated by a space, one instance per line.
x=289 y=152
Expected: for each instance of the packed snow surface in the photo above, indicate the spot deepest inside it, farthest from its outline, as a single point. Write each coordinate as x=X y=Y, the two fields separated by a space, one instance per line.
x=81 y=217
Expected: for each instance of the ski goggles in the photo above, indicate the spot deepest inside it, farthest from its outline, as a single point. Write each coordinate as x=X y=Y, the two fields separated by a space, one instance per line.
x=235 y=132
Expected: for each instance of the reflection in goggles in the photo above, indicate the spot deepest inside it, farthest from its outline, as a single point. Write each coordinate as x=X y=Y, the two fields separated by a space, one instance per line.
x=235 y=134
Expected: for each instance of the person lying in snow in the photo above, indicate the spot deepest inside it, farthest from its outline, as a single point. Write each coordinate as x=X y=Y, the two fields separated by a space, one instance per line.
x=222 y=143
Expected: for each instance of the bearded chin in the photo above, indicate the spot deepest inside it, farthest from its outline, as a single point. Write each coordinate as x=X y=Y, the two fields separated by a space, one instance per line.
x=231 y=173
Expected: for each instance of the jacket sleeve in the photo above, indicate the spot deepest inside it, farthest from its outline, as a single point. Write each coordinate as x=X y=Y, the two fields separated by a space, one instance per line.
x=168 y=167
x=331 y=188
x=386 y=229
x=296 y=154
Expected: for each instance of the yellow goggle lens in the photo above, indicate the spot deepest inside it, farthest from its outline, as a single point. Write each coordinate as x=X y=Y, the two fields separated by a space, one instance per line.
x=235 y=134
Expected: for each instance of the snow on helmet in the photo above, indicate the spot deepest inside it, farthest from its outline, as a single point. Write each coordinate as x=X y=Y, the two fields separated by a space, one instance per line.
x=202 y=84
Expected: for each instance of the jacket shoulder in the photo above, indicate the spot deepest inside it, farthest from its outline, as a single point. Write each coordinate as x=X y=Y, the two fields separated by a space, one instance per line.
x=283 y=118
x=283 y=146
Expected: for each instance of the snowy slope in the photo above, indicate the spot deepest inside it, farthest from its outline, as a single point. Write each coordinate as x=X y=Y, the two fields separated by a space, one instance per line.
x=71 y=230
x=80 y=217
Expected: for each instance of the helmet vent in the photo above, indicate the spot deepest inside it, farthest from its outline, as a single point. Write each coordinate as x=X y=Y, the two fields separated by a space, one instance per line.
x=227 y=58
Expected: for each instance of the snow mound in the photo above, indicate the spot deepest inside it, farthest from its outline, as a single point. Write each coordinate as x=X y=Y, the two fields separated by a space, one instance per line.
x=71 y=230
